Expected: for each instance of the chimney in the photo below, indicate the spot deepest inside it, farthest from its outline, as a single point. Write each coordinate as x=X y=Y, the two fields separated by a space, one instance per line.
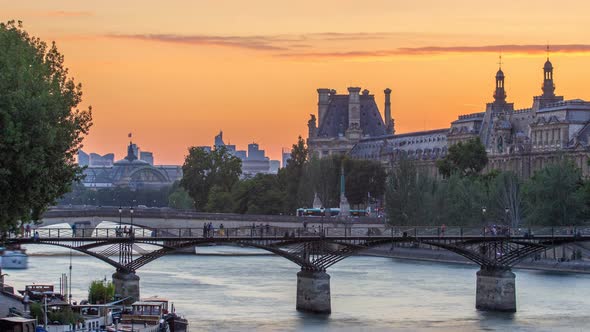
x=354 y=108
x=388 y=119
x=323 y=102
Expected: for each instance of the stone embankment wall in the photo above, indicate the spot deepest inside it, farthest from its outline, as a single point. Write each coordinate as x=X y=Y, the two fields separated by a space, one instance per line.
x=552 y=260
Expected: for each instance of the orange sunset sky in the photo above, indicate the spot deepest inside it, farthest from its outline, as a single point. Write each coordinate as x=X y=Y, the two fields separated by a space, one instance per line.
x=176 y=72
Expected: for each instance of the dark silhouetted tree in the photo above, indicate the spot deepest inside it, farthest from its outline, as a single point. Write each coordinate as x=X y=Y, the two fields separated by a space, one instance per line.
x=464 y=158
x=41 y=128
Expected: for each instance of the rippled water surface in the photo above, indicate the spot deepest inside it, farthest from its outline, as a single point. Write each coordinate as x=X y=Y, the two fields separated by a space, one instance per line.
x=241 y=293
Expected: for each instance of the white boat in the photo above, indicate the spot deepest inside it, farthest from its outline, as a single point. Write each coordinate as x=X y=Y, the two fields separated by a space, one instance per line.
x=13 y=258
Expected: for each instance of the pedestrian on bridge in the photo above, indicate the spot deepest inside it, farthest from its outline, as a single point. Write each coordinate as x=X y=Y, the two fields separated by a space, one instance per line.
x=205 y=230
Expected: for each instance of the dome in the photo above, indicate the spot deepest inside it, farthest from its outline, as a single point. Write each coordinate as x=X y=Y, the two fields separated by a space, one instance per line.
x=127 y=162
x=500 y=74
x=548 y=65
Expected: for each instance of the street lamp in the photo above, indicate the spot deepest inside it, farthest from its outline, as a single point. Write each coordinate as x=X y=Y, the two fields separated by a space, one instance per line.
x=131 y=228
x=507 y=210
x=483 y=215
x=120 y=220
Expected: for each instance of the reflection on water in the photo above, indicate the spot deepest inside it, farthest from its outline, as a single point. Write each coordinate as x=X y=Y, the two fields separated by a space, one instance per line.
x=237 y=293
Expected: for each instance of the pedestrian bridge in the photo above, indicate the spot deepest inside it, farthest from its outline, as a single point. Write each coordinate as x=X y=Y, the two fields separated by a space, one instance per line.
x=315 y=249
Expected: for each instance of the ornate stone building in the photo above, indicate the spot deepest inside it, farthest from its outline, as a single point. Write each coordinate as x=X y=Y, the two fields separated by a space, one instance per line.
x=520 y=140
x=343 y=120
x=131 y=172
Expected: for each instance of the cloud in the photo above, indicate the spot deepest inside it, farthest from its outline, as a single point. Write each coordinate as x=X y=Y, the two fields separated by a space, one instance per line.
x=247 y=42
x=438 y=50
x=519 y=49
x=329 y=44
x=264 y=43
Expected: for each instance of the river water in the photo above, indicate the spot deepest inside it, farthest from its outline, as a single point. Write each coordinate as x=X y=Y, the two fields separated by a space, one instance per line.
x=245 y=293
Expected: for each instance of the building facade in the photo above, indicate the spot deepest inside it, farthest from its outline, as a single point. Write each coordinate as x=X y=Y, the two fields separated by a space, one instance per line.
x=131 y=172
x=519 y=140
x=344 y=120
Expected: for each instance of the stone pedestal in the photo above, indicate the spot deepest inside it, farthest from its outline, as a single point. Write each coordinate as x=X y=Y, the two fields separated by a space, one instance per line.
x=313 y=292
x=126 y=285
x=495 y=290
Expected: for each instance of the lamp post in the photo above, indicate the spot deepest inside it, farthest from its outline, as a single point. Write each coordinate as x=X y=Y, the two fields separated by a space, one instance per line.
x=323 y=213
x=131 y=228
x=507 y=211
x=120 y=217
x=483 y=217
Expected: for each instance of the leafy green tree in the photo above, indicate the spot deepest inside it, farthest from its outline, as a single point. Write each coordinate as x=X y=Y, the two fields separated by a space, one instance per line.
x=507 y=194
x=64 y=316
x=101 y=291
x=41 y=128
x=554 y=195
x=219 y=200
x=261 y=194
x=202 y=170
x=405 y=196
x=324 y=176
x=298 y=193
x=463 y=198
x=464 y=158
x=180 y=199
x=364 y=179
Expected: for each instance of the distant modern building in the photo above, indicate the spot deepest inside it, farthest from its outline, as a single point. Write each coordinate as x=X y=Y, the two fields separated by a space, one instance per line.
x=274 y=166
x=83 y=158
x=254 y=161
x=286 y=157
x=130 y=172
x=147 y=157
x=96 y=160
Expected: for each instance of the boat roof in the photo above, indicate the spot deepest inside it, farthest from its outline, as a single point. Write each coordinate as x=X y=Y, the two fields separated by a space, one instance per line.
x=155 y=299
x=147 y=303
x=18 y=319
x=110 y=304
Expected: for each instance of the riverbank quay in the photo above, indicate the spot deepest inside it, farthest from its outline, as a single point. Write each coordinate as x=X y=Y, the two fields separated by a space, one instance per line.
x=442 y=256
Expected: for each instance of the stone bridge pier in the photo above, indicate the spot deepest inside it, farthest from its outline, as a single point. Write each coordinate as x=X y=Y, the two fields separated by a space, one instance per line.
x=126 y=285
x=495 y=290
x=313 y=292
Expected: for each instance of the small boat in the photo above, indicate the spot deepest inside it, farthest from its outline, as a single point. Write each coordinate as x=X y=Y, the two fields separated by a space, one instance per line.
x=151 y=312
x=13 y=258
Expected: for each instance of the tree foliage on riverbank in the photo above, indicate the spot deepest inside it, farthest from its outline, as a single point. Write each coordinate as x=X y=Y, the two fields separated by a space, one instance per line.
x=293 y=187
x=557 y=195
x=41 y=128
x=101 y=292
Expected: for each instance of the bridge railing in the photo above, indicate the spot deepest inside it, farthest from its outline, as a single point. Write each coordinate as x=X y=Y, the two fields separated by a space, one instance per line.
x=266 y=231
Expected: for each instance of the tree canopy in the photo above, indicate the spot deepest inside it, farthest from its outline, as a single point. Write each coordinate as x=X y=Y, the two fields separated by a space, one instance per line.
x=202 y=170
x=41 y=128
x=464 y=158
x=554 y=195
x=101 y=291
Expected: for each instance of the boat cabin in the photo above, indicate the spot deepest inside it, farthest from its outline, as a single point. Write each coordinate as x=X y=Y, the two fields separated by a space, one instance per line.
x=17 y=324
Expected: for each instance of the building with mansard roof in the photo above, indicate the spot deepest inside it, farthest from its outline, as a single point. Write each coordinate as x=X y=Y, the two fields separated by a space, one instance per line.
x=519 y=140
x=345 y=119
